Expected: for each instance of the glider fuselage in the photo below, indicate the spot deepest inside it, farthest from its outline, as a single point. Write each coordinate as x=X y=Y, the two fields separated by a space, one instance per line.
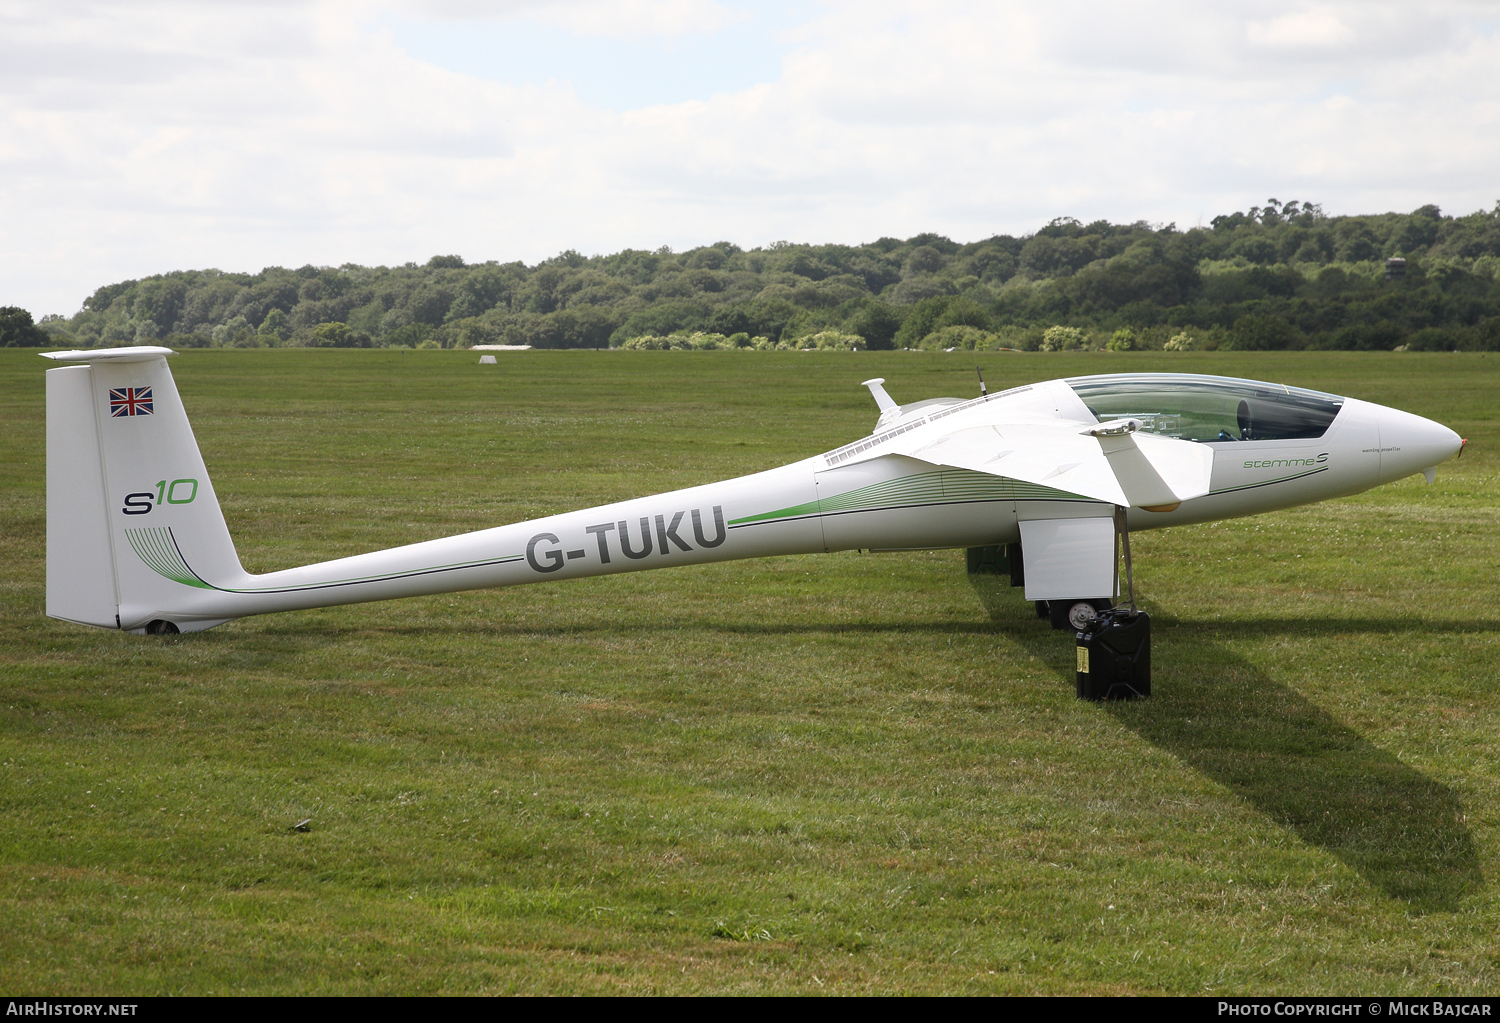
x=903 y=487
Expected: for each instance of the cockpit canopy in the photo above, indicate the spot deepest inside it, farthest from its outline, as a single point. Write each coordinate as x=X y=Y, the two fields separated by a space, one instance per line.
x=1190 y=406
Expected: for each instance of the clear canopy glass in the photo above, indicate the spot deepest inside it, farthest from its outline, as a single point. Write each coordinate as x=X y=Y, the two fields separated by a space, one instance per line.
x=1196 y=407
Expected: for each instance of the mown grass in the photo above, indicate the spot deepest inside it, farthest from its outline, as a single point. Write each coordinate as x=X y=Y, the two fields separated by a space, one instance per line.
x=841 y=773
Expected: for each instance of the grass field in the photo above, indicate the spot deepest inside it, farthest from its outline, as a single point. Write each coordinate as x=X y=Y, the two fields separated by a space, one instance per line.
x=833 y=774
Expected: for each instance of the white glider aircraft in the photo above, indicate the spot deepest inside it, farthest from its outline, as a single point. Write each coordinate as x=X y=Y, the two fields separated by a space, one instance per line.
x=136 y=540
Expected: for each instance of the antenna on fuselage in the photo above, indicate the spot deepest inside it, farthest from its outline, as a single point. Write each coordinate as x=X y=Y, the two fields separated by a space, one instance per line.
x=983 y=390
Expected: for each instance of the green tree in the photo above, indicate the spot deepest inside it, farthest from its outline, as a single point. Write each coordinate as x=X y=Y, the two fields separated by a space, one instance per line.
x=960 y=337
x=922 y=319
x=18 y=331
x=877 y=322
x=412 y=335
x=274 y=328
x=1062 y=339
x=1276 y=261
x=1257 y=332
x=337 y=335
x=229 y=333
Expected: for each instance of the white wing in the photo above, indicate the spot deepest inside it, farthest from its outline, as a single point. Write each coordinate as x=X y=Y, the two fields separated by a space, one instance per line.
x=1110 y=462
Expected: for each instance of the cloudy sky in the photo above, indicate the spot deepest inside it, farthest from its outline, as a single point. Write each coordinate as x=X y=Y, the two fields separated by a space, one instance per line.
x=144 y=136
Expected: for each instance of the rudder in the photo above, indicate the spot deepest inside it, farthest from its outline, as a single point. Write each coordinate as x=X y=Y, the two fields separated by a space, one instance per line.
x=80 y=563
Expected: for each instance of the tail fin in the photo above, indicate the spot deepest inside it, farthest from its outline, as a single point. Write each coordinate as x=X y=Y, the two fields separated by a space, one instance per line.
x=129 y=501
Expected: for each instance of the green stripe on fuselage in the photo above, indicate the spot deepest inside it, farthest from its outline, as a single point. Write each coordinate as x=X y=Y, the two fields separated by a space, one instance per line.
x=951 y=486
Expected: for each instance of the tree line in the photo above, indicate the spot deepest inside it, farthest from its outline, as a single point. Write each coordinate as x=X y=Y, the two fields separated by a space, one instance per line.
x=1278 y=276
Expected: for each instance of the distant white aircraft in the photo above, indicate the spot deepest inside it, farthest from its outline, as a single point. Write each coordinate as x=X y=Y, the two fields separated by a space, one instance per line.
x=136 y=540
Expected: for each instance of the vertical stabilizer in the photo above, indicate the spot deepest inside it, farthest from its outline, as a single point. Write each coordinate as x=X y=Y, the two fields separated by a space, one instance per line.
x=129 y=501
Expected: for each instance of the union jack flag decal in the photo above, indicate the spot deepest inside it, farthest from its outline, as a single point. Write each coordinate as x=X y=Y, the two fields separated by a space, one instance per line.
x=130 y=401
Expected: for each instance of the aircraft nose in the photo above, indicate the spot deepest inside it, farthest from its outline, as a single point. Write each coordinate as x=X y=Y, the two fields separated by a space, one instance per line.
x=1409 y=444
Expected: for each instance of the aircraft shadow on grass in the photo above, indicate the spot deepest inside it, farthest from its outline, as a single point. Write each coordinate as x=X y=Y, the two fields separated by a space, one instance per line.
x=1223 y=715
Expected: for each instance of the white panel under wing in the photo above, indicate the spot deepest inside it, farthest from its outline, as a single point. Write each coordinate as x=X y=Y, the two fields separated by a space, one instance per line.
x=1067 y=559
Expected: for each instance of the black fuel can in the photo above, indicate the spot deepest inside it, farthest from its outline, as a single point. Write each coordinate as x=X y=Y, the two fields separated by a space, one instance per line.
x=1114 y=656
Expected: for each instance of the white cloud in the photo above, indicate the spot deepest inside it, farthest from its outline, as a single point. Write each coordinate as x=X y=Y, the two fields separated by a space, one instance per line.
x=623 y=19
x=1303 y=29
x=629 y=19
x=138 y=138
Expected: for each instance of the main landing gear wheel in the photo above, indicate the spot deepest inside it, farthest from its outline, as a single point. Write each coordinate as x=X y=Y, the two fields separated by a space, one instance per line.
x=1074 y=615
